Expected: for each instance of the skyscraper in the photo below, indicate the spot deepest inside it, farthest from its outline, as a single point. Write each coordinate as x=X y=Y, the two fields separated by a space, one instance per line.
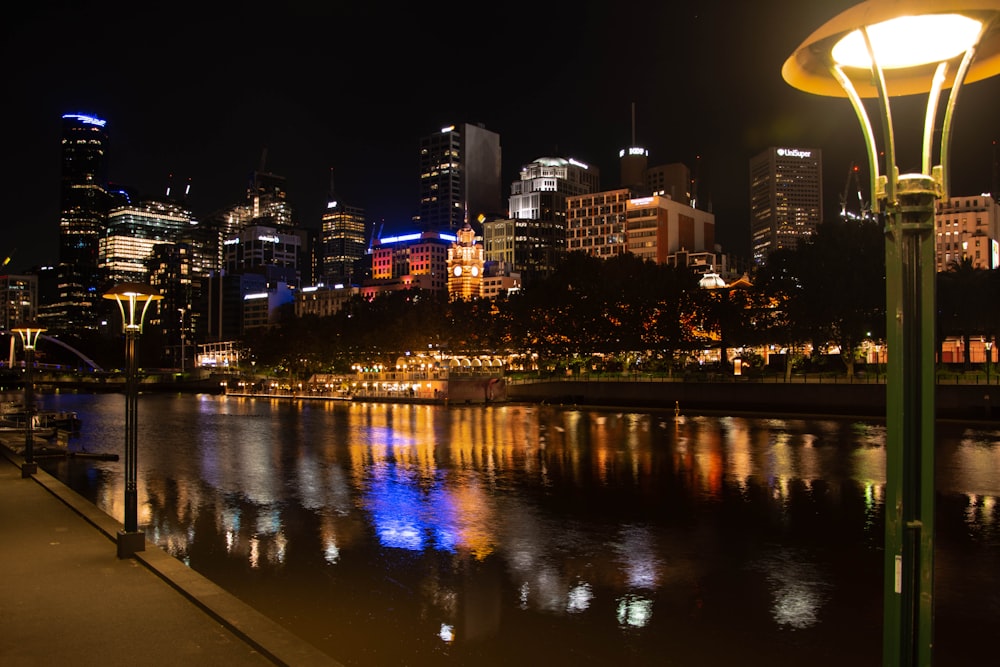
x=83 y=204
x=343 y=240
x=533 y=241
x=133 y=231
x=459 y=177
x=786 y=198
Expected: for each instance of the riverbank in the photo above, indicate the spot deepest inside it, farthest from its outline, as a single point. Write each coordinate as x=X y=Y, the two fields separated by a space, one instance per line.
x=958 y=401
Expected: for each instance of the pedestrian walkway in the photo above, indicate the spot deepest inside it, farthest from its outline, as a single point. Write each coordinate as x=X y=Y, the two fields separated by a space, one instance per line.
x=67 y=599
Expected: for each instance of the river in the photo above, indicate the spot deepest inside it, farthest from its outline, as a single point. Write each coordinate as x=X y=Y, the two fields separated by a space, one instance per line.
x=396 y=534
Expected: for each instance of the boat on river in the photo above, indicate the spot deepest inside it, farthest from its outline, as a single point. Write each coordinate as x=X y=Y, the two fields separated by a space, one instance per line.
x=13 y=416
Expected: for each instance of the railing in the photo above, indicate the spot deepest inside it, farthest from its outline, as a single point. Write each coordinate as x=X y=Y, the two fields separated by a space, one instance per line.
x=816 y=377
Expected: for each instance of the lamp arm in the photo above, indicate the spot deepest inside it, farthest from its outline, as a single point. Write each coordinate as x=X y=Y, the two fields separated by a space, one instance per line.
x=142 y=317
x=952 y=101
x=933 y=95
x=121 y=309
x=878 y=77
x=866 y=129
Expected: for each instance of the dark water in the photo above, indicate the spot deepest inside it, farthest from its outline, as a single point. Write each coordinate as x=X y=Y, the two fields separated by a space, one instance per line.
x=540 y=535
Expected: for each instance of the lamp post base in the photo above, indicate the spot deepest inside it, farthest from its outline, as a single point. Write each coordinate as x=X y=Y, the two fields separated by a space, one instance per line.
x=129 y=543
x=28 y=469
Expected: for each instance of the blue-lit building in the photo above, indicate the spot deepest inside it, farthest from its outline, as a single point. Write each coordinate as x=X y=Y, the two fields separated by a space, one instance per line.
x=417 y=260
x=76 y=302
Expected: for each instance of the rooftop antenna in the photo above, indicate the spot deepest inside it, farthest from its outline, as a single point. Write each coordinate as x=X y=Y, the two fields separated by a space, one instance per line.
x=633 y=124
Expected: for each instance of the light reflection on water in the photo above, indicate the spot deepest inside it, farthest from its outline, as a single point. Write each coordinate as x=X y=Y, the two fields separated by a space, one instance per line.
x=539 y=533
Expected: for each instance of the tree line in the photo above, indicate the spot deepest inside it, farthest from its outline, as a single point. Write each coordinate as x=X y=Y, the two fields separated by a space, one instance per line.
x=826 y=294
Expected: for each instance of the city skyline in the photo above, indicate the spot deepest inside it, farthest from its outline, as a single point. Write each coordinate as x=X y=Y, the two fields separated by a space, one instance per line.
x=318 y=88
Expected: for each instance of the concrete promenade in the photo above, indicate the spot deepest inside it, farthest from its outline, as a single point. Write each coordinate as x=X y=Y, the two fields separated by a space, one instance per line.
x=67 y=599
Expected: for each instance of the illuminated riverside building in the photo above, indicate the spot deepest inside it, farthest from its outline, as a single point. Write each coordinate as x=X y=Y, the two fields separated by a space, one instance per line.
x=133 y=230
x=967 y=227
x=459 y=177
x=786 y=199
x=75 y=304
x=409 y=260
x=654 y=228
x=465 y=265
x=532 y=241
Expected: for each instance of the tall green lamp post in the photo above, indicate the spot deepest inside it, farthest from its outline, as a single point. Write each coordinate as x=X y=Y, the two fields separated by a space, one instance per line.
x=882 y=49
x=130 y=296
x=29 y=338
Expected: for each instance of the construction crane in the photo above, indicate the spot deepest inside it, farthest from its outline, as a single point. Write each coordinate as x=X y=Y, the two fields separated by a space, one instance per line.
x=863 y=212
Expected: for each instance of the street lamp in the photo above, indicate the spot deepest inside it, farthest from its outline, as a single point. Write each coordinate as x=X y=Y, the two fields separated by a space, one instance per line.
x=129 y=296
x=989 y=357
x=881 y=49
x=29 y=338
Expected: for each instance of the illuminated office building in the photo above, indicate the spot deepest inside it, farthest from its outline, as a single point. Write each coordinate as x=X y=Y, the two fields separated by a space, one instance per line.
x=409 y=260
x=133 y=231
x=595 y=223
x=459 y=177
x=654 y=228
x=967 y=227
x=75 y=304
x=786 y=199
x=343 y=241
x=533 y=240
x=19 y=304
x=281 y=255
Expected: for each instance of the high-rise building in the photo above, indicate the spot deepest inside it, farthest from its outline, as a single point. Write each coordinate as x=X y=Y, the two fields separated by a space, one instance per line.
x=967 y=228
x=343 y=241
x=19 y=304
x=533 y=241
x=133 y=230
x=83 y=204
x=786 y=198
x=459 y=177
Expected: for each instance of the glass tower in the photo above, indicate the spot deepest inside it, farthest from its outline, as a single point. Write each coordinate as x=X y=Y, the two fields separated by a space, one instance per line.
x=84 y=203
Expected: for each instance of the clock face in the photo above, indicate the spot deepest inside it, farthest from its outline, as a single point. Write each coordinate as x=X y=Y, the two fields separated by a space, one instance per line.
x=475 y=271
x=458 y=270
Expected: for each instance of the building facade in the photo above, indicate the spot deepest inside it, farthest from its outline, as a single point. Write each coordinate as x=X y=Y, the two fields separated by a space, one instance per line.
x=658 y=228
x=20 y=300
x=133 y=230
x=418 y=260
x=786 y=199
x=75 y=304
x=459 y=177
x=465 y=265
x=343 y=242
x=595 y=223
x=532 y=241
x=967 y=227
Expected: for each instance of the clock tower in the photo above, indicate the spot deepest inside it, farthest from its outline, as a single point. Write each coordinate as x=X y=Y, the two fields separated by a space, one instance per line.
x=465 y=265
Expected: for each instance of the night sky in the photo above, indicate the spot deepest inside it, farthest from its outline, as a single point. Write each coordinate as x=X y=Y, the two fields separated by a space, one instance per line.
x=202 y=95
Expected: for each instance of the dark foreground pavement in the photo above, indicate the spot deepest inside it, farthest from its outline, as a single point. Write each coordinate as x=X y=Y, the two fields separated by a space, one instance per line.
x=67 y=599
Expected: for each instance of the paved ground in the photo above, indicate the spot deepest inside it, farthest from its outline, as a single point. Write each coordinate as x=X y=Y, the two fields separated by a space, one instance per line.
x=67 y=599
